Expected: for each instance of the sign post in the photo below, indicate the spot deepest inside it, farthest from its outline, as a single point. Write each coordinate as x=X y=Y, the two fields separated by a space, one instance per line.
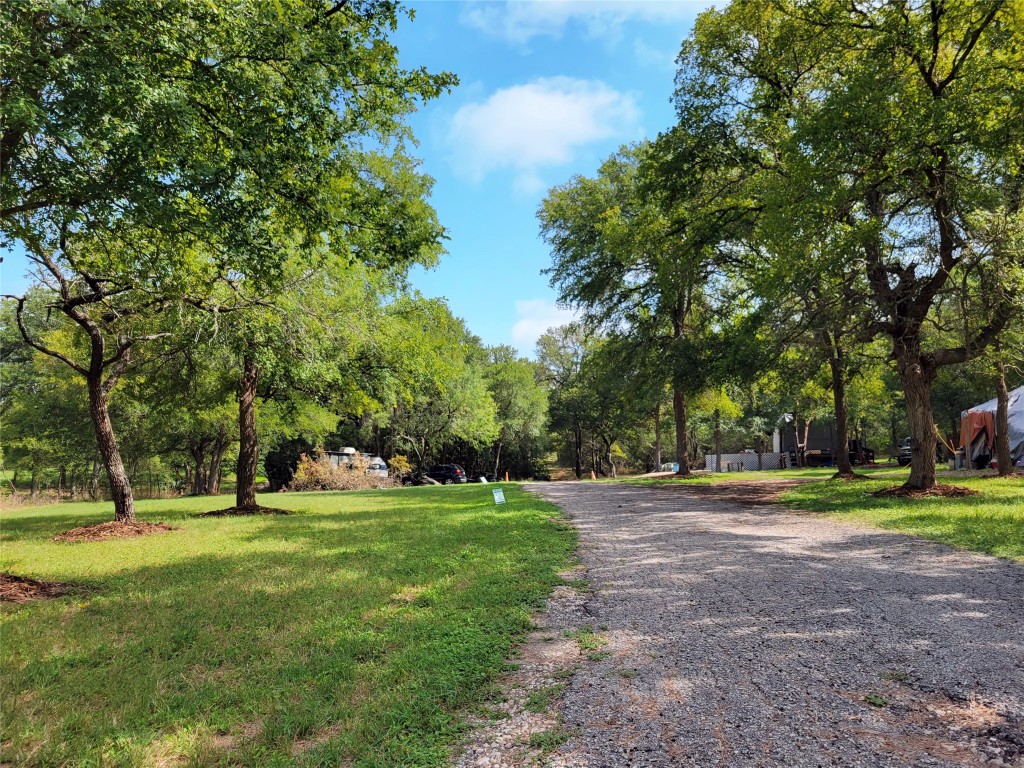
x=499 y=496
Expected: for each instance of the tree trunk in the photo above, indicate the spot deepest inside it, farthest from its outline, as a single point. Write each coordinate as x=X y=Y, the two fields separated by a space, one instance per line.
x=718 y=440
x=578 y=436
x=843 y=465
x=682 y=448
x=197 y=448
x=220 y=447
x=916 y=380
x=657 y=437
x=497 y=459
x=248 y=445
x=611 y=463
x=120 y=486
x=34 y=490
x=1002 y=420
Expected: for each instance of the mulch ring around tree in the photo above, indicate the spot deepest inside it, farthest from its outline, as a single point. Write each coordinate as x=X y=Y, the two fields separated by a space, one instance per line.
x=113 y=530
x=18 y=589
x=939 y=489
x=233 y=511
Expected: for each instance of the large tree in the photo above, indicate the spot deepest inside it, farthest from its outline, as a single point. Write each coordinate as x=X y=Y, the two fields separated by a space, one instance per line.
x=627 y=263
x=153 y=150
x=900 y=123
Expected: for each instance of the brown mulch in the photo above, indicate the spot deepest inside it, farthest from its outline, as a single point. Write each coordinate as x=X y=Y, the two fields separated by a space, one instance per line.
x=939 y=489
x=18 y=589
x=114 y=530
x=231 y=511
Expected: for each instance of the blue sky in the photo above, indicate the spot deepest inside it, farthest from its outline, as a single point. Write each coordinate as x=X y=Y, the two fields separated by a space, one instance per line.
x=549 y=88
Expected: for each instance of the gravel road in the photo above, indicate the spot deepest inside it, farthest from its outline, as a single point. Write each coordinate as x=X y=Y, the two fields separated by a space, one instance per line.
x=740 y=634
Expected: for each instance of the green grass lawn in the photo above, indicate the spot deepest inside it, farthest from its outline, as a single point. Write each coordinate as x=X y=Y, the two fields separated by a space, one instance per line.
x=991 y=522
x=359 y=631
x=814 y=473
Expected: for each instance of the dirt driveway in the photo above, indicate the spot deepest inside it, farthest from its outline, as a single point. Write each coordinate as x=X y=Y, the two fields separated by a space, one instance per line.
x=742 y=635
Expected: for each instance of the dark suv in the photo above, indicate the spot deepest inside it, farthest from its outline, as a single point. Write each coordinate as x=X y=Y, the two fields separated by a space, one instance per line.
x=446 y=473
x=905 y=454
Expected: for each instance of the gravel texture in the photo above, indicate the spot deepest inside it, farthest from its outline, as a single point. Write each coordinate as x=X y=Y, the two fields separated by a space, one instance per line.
x=740 y=634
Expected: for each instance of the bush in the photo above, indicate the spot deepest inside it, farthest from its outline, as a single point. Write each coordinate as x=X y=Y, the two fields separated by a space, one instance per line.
x=320 y=474
x=399 y=467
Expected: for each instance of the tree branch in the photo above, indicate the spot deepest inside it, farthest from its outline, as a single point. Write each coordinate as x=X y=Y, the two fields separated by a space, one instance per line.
x=37 y=345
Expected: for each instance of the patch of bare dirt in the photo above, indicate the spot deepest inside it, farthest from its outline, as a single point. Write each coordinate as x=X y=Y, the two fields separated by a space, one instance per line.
x=18 y=589
x=973 y=731
x=939 y=489
x=246 y=732
x=244 y=511
x=114 y=530
x=317 y=739
x=745 y=493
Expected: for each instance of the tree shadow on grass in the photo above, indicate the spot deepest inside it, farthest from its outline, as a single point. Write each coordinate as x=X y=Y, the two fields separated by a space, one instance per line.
x=304 y=632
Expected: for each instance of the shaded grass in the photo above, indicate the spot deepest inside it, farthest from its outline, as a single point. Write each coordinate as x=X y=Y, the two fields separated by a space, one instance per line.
x=812 y=473
x=991 y=522
x=360 y=629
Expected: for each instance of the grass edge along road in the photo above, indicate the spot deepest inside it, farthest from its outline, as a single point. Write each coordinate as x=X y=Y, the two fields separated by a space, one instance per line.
x=991 y=522
x=359 y=631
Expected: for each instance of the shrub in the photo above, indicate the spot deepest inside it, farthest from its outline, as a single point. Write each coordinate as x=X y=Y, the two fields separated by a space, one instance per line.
x=399 y=466
x=320 y=474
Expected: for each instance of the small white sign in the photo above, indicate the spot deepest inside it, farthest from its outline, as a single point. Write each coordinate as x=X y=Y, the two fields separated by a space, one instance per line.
x=499 y=496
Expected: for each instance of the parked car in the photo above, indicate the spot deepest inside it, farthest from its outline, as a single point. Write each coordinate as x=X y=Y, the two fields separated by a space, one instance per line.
x=378 y=467
x=447 y=474
x=904 y=454
x=855 y=450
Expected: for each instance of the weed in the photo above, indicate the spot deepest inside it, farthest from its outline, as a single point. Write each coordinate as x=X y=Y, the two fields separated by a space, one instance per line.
x=895 y=677
x=586 y=638
x=876 y=701
x=566 y=672
x=548 y=741
x=541 y=699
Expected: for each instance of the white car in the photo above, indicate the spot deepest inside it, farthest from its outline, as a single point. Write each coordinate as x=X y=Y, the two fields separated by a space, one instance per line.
x=377 y=468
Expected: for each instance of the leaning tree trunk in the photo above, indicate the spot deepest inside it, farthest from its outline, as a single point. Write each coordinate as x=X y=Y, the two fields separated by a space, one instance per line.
x=1002 y=421
x=248 y=445
x=916 y=380
x=682 y=447
x=843 y=466
x=120 y=486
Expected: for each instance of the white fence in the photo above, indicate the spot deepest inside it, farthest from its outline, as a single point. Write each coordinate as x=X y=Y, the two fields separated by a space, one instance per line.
x=739 y=462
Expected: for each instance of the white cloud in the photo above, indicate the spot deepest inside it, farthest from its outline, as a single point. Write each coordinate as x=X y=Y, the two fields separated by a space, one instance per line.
x=520 y=20
x=535 y=317
x=539 y=124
